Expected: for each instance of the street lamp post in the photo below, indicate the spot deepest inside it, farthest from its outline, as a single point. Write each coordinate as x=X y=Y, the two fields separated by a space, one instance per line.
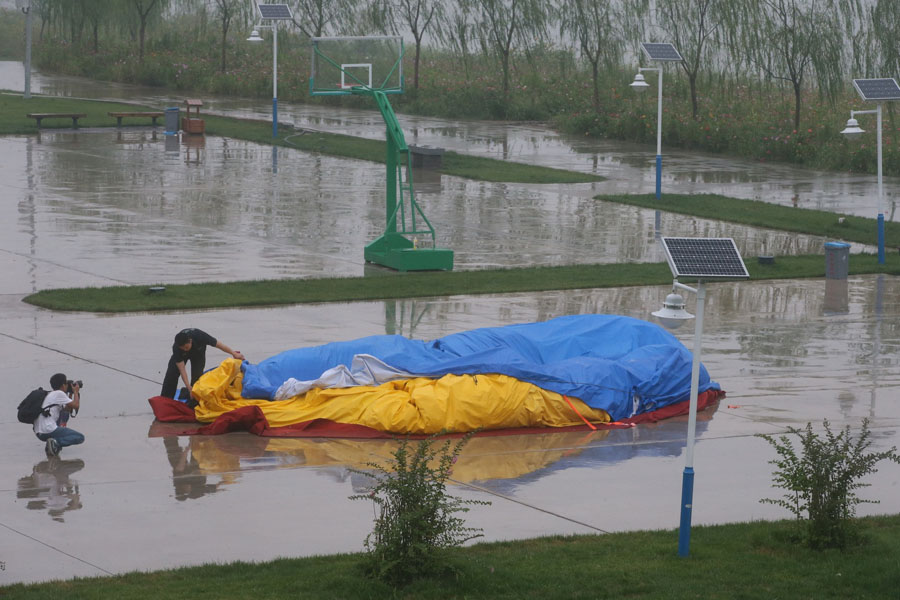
x=703 y=258
x=672 y=315
x=853 y=132
x=660 y=53
x=255 y=37
x=874 y=90
x=270 y=14
x=25 y=6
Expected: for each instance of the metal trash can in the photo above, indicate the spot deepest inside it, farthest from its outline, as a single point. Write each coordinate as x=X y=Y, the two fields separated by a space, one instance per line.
x=172 y=121
x=837 y=260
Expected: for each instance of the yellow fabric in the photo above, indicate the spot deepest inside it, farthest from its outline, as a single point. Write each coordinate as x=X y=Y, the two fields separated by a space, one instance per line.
x=419 y=406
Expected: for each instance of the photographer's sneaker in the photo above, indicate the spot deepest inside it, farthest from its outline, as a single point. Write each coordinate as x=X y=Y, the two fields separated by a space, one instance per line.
x=52 y=448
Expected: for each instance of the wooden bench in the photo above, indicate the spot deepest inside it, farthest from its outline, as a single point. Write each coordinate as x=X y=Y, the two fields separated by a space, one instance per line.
x=120 y=115
x=40 y=116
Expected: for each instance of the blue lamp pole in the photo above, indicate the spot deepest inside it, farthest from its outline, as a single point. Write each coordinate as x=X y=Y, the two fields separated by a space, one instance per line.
x=658 y=53
x=853 y=132
x=255 y=37
x=639 y=85
x=672 y=315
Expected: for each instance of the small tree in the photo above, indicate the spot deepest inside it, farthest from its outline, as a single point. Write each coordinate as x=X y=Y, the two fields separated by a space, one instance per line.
x=414 y=517
x=821 y=482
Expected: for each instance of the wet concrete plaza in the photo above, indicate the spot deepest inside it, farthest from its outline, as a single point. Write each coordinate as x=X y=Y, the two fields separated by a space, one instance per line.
x=108 y=207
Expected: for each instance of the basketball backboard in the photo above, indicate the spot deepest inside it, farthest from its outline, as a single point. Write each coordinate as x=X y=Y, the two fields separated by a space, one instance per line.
x=339 y=64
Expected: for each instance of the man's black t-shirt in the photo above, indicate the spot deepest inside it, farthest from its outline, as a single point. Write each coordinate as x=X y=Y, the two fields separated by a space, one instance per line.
x=199 y=341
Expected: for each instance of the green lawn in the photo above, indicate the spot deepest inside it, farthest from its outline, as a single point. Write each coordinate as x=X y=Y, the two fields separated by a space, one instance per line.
x=756 y=213
x=746 y=561
x=412 y=285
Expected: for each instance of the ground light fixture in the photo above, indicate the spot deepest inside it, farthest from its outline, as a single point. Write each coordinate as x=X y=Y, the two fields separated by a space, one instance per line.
x=879 y=91
x=659 y=53
x=700 y=258
x=269 y=16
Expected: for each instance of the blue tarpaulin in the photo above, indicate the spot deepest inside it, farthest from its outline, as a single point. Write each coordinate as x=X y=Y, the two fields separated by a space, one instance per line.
x=622 y=365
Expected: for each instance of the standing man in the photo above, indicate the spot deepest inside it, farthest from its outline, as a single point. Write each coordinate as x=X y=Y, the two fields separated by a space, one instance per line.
x=190 y=345
x=50 y=426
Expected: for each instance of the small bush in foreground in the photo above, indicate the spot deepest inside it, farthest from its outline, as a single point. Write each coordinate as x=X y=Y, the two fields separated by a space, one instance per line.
x=415 y=519
x=821 y=482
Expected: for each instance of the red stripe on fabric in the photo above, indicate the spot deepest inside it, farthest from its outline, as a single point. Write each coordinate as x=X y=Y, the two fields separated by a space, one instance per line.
x=572 y=406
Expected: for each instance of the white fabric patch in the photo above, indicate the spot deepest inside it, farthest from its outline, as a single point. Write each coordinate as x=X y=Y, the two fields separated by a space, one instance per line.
x=365 y=369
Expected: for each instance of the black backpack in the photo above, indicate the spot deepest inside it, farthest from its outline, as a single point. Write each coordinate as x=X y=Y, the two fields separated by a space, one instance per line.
x=30 y=408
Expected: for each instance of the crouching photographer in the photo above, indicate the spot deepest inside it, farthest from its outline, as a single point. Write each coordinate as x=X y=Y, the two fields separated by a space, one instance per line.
x=62 y=401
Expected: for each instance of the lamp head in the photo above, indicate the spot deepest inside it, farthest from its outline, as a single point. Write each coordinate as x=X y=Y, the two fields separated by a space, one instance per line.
x=639 y=84
x=853 y=131
x=254 y=36
x=672 y=314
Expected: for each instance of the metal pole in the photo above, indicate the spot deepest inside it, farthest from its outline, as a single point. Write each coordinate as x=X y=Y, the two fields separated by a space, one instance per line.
x=880 y=195
x=28 y=52
x=274 y=79
x=659 y=136
x=687 y=482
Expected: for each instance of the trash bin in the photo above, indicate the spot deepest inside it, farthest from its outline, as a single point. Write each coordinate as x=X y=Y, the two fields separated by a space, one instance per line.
x=837 y=260
x=172 y=121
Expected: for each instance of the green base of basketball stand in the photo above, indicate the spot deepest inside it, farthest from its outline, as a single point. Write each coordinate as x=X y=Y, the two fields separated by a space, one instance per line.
x=396 y=252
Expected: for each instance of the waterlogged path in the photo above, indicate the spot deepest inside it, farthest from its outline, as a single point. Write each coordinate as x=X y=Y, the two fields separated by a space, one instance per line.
x=629 y=167
x=101 y=207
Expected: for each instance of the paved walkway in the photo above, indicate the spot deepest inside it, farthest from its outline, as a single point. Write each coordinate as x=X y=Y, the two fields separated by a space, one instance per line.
x=136 y=496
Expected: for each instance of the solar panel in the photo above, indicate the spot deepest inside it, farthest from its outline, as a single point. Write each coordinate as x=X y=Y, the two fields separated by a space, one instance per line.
x=877 y=89
x=704 y=257
x=275 y=12
x=661 y=51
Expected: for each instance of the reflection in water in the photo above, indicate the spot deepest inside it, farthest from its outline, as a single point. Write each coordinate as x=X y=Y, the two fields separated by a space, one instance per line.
x=401 y=317
x=502 y=461
x=49 y=487
x=188 y=477
x=104 y=199
x=837 y=297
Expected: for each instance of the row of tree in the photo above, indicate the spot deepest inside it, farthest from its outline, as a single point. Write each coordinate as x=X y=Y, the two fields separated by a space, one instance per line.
x=818 y=44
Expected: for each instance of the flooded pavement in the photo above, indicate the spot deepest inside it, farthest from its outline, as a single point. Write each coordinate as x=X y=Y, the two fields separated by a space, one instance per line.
x=100 y=208
x=786 y=352
x=86 y=208
x=629 y=167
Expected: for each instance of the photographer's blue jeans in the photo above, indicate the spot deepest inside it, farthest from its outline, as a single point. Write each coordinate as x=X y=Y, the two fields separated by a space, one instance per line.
x=65 y=436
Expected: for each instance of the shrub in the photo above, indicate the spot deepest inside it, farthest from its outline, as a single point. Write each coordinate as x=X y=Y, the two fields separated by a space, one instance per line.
x=821 y=482
x=414 y=517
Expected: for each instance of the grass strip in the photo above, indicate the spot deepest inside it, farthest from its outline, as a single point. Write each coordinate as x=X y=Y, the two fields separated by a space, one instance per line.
x=13 y=109
x=412 y=285
x=745 y=560
x=757 y=213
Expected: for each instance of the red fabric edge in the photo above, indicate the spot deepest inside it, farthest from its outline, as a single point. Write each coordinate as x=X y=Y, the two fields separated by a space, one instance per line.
x=253 y=420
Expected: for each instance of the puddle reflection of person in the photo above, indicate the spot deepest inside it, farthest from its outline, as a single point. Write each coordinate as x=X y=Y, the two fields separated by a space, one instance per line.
x=49 y=487
x=188 y=478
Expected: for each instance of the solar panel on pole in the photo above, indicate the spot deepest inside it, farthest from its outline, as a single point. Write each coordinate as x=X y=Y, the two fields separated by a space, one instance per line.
x=874 y=90
x=704 y=258
x=275 y=12
x=661 y=52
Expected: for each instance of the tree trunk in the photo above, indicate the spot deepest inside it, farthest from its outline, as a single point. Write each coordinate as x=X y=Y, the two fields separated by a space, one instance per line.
x=595 y=75
x=141 y=42
x=416 y=63
x=692 y=80
x=797 y=101
x=224 y=42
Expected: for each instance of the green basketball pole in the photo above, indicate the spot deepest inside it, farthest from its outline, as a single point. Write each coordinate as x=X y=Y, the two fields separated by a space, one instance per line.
x=405 y=222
